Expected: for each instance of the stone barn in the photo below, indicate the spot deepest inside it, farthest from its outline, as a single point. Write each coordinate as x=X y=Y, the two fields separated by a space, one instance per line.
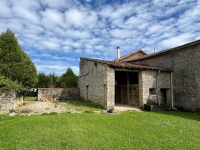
x=118 y=82
x=169 y=77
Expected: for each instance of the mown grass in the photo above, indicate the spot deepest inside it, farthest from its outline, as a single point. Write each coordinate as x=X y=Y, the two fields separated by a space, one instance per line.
x=80 y=105
x=29 y=98
x=130 y=130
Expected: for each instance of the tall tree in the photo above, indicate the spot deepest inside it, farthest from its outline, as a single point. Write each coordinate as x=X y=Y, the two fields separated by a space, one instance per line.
x=68 y=79
x=47 y=81
x=43 y=80
x=15 y=64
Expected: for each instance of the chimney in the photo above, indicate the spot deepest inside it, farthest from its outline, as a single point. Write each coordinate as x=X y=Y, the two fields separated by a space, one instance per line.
x=118 y=52
x=154 y=50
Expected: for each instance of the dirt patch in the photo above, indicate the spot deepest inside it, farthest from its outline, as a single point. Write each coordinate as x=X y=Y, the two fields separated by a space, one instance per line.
x=41 y=107
x=38 y=107
x=122 y=108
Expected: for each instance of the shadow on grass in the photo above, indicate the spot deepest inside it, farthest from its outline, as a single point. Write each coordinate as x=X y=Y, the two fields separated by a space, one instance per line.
x=180 y=114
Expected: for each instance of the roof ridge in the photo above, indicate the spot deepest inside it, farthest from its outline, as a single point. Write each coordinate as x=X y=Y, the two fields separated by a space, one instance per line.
x=165 y=51
x=122 y=64
x=133 y=52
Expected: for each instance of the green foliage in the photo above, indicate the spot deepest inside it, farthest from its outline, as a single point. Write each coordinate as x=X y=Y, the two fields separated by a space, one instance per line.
x=47 y=81
x=15 y=64
x=6 y=84
x=86 y=131
x=43 y=80
x=68 y=79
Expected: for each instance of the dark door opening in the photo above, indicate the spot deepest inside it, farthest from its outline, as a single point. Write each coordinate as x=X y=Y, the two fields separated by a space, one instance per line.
x=126 y=88
x=164 y=97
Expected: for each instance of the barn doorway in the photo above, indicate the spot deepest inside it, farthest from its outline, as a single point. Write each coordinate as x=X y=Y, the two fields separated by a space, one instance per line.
x=164 y=96
x=126 y=88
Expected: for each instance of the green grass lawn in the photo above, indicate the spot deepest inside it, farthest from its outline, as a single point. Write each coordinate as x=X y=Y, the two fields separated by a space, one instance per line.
x=29 y=98
x=130 y=130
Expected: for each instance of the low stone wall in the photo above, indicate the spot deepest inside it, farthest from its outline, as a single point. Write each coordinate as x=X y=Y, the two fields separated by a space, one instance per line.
x=61 y=94
x=7 y=101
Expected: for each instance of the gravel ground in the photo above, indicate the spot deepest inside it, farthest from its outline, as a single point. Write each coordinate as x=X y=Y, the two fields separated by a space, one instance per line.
x=37 y=108
x=42 y=107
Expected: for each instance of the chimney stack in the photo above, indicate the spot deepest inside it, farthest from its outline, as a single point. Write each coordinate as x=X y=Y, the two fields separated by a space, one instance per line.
x=154 y=50
x=118 y=52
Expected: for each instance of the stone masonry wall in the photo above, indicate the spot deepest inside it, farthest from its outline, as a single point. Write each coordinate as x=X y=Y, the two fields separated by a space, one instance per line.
x=147 y=80
x=62 y=94
x=186 y=76
x=110 y=88
x=96 y=83
x=136 y=55
x=7 y=101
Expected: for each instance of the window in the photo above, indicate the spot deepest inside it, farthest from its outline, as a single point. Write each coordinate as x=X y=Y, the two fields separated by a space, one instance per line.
x=152 y=91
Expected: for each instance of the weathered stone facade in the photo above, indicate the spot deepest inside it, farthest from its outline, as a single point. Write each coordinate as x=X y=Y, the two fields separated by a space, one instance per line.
x=154 y=80
x=136 y=55
x=60 y=93
x=170 y=76
x=184 y=61
x=7 y=100
x=96 y=83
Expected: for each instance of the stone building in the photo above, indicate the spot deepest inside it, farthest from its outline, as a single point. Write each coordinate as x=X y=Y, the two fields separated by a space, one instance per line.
x=170 y=77
x=112 y=82
x=184 y=60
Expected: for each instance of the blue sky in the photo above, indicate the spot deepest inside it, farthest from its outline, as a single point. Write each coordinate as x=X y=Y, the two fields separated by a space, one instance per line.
x=56 y=33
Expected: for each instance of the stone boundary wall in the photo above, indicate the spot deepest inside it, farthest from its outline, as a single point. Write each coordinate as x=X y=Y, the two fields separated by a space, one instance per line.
x=7 y=101
x=186 y=76
x=62 y=94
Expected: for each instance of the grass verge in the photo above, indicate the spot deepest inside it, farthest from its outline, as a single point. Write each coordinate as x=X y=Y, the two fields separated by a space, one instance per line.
x=130 y=130
x=80 y=105
x=30 y=98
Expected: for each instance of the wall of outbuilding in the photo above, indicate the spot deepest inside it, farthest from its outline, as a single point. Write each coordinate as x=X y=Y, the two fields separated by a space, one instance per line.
x=97 y=82
x=148 y=80
x=186 y=76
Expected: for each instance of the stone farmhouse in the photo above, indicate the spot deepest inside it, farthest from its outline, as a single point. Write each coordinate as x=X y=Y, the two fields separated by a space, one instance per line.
x=168 y=77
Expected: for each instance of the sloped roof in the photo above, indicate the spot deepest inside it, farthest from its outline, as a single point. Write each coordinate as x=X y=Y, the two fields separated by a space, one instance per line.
x=127 y=55
x=165 y=51
x=121 y=64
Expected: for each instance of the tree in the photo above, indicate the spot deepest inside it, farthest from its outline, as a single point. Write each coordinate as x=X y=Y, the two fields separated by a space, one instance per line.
x=43 y=80
x=47 y=81
x=68 y=79
x=15 y=64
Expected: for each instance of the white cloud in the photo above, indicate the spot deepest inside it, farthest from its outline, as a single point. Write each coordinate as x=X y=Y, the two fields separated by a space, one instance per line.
x=51 y=18
x=75 y=17
x=49 y=45
x=76 y=34
x=117 y=33
x=81 y=18
x=5 y=10
x=56 y=34
x=177 y=40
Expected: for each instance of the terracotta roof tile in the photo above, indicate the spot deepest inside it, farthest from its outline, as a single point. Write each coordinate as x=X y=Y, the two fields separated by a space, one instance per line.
x=122 y=64
x=125 y=56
